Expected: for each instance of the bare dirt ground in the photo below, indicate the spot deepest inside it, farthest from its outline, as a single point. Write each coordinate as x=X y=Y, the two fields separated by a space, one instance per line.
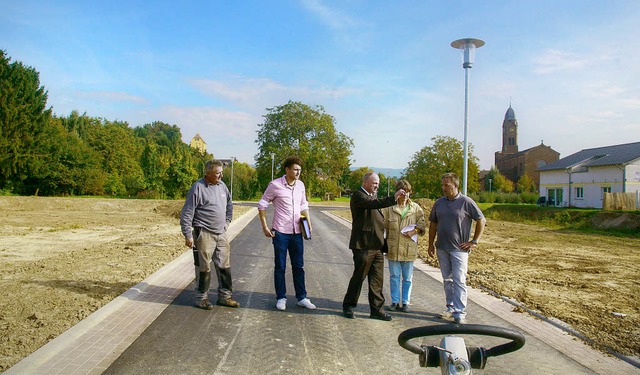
x=63 y=258
x=588 y=283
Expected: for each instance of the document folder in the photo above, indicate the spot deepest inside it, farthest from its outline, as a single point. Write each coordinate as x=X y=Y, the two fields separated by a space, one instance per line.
x=304 y=227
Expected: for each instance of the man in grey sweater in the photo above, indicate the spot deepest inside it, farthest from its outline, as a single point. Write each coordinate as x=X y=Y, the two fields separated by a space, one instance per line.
x=204 y=220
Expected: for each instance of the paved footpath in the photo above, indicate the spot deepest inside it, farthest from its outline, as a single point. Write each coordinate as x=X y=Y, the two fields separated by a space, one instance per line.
x=154 y=329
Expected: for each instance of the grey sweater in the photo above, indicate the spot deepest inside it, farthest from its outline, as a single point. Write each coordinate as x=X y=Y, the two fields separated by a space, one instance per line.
x=208 y=207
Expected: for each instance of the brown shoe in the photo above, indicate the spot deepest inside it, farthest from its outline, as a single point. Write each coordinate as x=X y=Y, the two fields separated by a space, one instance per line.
x=228 y=303
x=204 y=304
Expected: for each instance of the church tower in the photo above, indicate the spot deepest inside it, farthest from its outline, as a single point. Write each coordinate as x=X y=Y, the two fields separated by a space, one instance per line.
x=514 y=163
x=510 y=133
x=198 y=143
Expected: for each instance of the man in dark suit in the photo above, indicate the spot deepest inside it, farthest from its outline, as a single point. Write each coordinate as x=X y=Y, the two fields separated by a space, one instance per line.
x=367 y=238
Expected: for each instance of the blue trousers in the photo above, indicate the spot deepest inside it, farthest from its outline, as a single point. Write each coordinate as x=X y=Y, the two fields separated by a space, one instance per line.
x=397 y=269
x=294 y=246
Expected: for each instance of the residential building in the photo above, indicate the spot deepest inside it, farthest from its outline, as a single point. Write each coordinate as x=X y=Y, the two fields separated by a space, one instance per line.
x=581 y=179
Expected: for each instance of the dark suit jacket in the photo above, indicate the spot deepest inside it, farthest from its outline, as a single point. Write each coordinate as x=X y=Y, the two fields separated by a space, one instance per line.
x=367 y=222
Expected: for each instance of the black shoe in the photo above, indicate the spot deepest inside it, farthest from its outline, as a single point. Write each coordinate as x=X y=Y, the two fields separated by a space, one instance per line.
x=393 y=307
x=380 y=316
x=404 y=308
x=348 y=313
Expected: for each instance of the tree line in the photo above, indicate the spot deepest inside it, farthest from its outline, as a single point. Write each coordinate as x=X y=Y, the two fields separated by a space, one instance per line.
x=46 y=154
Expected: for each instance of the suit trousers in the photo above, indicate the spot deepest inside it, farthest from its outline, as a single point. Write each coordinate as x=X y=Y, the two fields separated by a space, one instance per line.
x=367 y=264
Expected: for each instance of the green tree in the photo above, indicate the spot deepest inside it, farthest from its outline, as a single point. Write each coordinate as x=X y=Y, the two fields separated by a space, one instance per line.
x=23 y=120
x=525 y=184
x=245 y=181
x=428 y=165
x=170 y=165
x=490 y=178
x=298 y=129
x=68 y=166
x=387 y=185
x=502 y=184
x=119 y=150
x=354 y=181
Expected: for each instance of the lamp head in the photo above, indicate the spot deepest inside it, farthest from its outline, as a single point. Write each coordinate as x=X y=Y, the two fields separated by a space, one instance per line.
x=468 y=47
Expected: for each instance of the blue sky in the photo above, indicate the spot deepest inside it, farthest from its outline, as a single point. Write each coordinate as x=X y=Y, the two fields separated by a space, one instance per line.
x=384 y=69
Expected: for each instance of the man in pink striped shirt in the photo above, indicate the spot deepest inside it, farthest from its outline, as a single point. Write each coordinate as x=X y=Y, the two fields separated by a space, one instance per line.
x=289 y=199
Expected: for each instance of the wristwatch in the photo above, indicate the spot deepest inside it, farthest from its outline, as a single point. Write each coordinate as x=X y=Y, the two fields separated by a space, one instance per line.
x=474 y=242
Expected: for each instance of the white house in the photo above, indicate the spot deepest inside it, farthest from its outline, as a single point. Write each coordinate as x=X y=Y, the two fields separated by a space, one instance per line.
x=581 y=179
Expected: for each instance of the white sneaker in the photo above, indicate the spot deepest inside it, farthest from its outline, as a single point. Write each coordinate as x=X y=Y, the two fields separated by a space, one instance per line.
x=307 y=303
x=460 y=320
x=281 y=304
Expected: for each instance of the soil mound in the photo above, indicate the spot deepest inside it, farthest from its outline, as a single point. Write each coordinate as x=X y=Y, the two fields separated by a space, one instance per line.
x=616 y=220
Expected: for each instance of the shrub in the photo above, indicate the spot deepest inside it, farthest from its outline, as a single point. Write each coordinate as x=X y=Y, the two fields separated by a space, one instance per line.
x=529 y=198
x=562 y=217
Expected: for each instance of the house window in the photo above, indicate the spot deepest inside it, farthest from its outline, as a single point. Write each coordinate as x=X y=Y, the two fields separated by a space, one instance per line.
x=579 y=193
x=605 y=189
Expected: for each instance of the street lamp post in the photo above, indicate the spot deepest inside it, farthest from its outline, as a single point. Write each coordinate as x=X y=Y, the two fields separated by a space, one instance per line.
x=387 y=186
x=468 y=46
x=272 y=159
x=387 y=176
x=233 y=159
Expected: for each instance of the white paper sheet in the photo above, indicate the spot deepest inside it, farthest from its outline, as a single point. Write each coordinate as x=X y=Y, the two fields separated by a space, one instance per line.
x=409 y=228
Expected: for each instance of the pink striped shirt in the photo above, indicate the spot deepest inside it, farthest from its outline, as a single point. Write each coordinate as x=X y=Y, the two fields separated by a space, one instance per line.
x=288 y=202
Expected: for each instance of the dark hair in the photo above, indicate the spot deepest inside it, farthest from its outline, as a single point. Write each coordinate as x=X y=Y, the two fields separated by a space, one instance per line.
x=291 y=160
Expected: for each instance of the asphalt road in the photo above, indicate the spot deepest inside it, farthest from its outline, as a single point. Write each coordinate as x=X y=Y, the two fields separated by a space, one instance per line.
x=258 y=339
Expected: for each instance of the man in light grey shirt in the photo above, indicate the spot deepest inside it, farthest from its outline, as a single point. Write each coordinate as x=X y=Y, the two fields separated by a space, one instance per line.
x=451 y=219
x=204 y=219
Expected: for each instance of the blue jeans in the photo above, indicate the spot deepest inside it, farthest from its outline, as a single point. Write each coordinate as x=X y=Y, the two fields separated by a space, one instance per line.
x=293 y=244
x=453 y=266
x=397 y=269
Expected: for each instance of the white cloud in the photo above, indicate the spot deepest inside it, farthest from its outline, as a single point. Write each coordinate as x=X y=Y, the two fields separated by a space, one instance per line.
x=330 y=17
x=219 y=123
x=604 y=90
x=227 y=133
x=238 y=90
x=351 y=33
x=553 y=60
x=631 y=103
x=259 y=93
